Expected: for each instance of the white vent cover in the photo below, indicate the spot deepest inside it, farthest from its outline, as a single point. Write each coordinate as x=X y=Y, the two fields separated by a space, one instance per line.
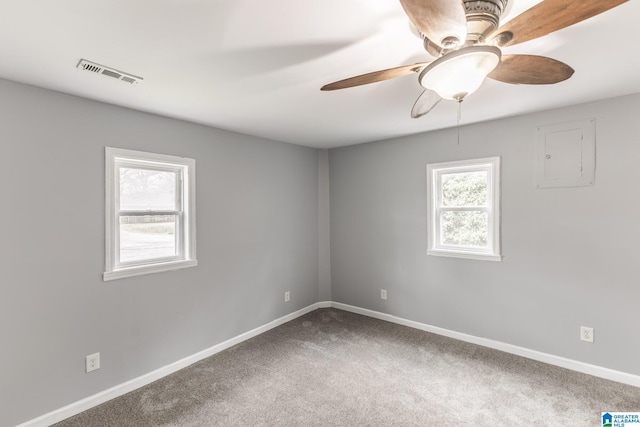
x=107 y=71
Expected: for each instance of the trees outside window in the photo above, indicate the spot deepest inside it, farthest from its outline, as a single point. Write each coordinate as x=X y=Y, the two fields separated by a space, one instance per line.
x=464 y=209
x=150 y=213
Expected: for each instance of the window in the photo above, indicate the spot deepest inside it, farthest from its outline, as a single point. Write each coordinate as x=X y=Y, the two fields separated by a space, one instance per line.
x=150 y=213
x=464 y=209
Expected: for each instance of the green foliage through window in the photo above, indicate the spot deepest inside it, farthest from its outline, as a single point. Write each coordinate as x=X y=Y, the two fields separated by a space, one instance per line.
x=464 y=189
x=464 y=203
x=466 y=228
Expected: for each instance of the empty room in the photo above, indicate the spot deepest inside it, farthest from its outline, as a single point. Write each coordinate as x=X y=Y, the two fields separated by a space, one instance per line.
x=336 y=213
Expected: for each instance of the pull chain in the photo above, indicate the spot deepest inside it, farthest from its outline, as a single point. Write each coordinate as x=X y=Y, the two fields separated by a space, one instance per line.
x=459 y=115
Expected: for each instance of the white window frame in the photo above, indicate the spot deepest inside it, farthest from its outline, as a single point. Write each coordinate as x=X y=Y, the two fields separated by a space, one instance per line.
x=435 y=171
x=185 y=212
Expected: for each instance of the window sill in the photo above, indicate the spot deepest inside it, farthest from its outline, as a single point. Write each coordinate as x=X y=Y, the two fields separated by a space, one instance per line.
x=462 y=254
x=147 y=269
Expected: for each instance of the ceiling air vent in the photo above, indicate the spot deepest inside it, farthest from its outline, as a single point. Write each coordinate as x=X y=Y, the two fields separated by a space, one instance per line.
x=108 y=71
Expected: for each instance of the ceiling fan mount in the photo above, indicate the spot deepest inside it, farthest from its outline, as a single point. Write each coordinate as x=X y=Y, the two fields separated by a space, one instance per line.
x=466 y=38
x=483 y=17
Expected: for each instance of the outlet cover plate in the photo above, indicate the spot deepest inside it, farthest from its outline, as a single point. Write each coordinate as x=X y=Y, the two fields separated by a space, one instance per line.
x=92 y=362
x=586 y=334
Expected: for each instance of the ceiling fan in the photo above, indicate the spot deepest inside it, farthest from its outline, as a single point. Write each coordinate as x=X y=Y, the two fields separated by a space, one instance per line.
x=466 y=39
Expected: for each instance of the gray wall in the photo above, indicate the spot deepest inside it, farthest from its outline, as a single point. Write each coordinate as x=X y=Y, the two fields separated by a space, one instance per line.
x=570 y=254
x=324 y=228
x=257 y=224
x=264 y=211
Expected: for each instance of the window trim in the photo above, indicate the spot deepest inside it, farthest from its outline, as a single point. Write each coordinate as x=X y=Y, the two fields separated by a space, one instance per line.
x=185 y=188
x=434 y=196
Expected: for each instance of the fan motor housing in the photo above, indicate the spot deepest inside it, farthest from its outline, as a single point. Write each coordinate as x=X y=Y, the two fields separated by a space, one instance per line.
x=483 y=17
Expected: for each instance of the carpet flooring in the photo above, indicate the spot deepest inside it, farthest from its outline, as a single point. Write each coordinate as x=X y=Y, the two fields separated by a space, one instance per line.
x=335 y=368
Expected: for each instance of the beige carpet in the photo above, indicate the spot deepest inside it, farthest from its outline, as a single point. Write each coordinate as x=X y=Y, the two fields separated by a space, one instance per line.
x=334 y=368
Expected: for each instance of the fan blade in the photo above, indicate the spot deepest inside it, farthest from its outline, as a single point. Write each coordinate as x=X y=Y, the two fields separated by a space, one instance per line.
x=425 y=103
x=376 y=76
x=549 y=16
x=530 y=70
x=443 y=21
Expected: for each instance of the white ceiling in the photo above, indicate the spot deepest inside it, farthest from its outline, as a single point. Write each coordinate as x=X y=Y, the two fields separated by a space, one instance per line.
x=256 y=66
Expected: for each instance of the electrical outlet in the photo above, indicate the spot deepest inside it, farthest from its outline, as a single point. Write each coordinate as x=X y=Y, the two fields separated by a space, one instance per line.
x=586 y=334
x=287 y=296
x=383 y=294
x=92 y=362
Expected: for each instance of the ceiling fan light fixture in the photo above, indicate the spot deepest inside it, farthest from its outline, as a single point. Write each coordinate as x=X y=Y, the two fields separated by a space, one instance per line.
x=461 y=72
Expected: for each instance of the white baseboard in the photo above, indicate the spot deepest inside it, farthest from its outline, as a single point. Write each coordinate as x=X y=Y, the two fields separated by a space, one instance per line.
x=574 y=365
x=121 y=389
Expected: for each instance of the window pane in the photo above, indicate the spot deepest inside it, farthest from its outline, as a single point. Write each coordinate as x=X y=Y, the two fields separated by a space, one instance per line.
x=145 y=189
x=464 y=228
x=464 y=189
x=147 y=237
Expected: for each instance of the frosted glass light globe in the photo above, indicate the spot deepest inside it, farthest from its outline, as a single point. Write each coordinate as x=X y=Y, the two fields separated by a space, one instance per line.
x=461 y=72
